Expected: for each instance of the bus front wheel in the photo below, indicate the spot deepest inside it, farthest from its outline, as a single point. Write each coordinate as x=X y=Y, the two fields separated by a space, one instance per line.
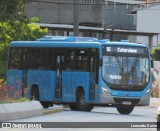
x=125 y=109
x=80 y=104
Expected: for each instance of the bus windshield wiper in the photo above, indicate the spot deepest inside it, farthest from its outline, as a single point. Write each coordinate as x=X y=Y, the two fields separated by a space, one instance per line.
x=119 y=63
x=134 y=64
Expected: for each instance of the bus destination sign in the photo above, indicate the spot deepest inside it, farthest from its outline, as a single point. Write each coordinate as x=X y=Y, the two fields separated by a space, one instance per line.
x=122 y=49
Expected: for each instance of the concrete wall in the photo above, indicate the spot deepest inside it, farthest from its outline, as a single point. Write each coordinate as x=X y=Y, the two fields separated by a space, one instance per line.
x=49 y=11
x=117 y=14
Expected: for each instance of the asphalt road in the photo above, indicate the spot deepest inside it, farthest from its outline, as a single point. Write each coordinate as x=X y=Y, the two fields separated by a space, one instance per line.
x=96 y=120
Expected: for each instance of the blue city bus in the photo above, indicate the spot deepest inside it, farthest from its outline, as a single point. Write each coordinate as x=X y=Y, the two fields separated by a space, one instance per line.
x=82 y=72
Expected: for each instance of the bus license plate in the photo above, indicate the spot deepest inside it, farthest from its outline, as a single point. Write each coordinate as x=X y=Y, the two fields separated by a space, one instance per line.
x=126 y=102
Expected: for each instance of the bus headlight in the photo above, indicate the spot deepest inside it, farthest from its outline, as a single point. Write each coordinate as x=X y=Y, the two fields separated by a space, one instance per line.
x=105 y=91
x=147 y=92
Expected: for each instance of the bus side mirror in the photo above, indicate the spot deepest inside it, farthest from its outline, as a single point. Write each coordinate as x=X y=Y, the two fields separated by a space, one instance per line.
x=152 y=63
x=100 y=62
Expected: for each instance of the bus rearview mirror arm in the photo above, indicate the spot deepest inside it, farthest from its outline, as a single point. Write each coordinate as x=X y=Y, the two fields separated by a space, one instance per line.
x=152 y=63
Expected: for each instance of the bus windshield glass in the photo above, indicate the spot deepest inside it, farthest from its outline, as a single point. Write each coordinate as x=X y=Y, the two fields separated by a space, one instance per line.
x=125 y=69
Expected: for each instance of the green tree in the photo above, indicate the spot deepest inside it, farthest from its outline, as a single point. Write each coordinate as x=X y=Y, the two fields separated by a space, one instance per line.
x=11 y=10
x=15 y=26
x=156 y=53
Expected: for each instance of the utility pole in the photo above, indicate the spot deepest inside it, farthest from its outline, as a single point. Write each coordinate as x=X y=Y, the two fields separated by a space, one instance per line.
x=112 y=32
x=105 y=30
x=76 y=18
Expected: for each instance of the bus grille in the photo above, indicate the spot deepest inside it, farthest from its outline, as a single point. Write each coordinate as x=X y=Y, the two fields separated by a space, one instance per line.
x=120 y=100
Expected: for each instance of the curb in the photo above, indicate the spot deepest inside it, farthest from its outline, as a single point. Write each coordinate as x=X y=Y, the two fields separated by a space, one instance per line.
x=46 y=112
x=12 y=111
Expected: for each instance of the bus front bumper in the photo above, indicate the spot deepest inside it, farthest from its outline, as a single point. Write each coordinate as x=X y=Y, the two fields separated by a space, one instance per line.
x=112 y=100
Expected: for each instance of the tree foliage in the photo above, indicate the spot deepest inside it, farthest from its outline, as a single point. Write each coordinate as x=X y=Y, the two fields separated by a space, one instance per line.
x=11 y=10
x=15 y=26
x=156 y=53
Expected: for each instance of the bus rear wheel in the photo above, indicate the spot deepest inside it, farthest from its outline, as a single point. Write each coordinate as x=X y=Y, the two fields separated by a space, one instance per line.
x=73 y=107
x=81 y=105
x=46 y=104
x=125 y=109
x=35 y=96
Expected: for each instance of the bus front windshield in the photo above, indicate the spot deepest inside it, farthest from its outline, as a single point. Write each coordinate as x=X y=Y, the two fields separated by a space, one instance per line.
x=125 y=71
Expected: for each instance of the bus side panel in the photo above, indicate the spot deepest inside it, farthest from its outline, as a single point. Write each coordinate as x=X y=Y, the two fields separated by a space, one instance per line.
x=14 y=81
x=45 y=80
x=72 y=80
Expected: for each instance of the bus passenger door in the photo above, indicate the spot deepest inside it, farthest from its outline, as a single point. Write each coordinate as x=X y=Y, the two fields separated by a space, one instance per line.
x=59 y=71
x=93 y=75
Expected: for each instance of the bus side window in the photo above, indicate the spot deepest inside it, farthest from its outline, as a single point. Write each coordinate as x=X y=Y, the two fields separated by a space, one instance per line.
x=52 y=59
x=26 y=59
x=43 y=59
x=81 y=60
x=15 y=58
x=70 y=60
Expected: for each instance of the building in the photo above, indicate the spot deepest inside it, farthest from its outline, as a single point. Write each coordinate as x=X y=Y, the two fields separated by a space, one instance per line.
x=62 y=11
x=111 y=16
x=148 y=20
x=95 y=13
x=150 y=2
x=118 y=13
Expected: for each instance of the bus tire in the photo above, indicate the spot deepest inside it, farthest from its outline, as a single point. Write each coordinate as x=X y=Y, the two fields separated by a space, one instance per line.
x=125 y=109
x=81 y=105
x=46 y=104
x=73 y=107
x=35 y=96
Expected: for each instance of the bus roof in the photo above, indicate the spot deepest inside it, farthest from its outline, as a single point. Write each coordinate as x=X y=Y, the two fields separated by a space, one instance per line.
x=59 y=41
x=71 y=41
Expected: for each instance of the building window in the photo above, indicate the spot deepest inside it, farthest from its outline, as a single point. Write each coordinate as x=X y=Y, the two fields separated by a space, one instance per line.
x=91 y=1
